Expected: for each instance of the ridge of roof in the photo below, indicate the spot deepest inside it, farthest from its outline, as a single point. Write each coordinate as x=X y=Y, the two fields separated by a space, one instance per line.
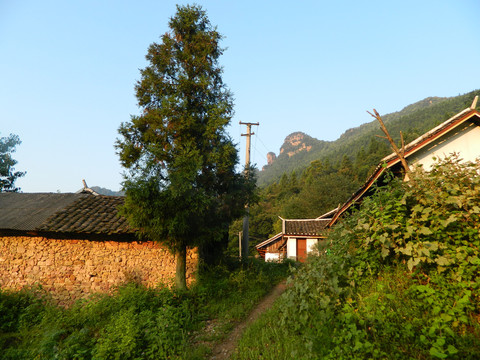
x=331 y=212
x=316 y=219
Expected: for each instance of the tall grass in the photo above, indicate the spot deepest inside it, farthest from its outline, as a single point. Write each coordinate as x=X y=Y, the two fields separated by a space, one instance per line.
x=135 y=322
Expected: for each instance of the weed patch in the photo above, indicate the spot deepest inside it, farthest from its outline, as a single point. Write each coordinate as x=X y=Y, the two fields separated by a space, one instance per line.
x=135 y=322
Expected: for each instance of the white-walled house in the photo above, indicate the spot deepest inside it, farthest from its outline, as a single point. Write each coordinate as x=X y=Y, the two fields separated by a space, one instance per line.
x=297 y=239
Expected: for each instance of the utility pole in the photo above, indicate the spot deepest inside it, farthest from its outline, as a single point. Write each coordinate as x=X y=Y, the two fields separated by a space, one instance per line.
x=244 y=240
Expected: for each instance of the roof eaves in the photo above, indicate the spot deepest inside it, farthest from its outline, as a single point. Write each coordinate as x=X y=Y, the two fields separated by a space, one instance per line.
x=268 y=241
x=418 y=143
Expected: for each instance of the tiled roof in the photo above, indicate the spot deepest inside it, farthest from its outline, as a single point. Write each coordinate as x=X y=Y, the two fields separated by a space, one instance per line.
x=62 y=213
x=20 y=211
x=305 y=226
x=90 y=215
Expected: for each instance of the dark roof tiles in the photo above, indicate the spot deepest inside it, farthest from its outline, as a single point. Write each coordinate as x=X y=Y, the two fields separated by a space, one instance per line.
x=63 y=213
x=92 y=214
x=19 y=211
x=305 y=226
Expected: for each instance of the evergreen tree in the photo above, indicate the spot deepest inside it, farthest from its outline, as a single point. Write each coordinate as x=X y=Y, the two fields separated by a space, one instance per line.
x=8 y=175
x=181 y=187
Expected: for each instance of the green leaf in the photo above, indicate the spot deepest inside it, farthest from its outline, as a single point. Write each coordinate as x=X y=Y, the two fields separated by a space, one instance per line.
x=442 y=261
x=425 y=231
x=409 y=230
x=452 y=350
x=410 y=264
x=417 y=208
x=437 y=353
x=432 y=246
x=474 y=260
x=475 y=210
x=407 y=250
x=451 y=219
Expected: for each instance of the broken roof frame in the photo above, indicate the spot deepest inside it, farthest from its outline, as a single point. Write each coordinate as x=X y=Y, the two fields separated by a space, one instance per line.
x=411 y=148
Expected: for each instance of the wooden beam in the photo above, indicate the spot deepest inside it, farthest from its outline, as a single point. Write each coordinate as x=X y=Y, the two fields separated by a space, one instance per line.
x=400 y=154
x=474 y=103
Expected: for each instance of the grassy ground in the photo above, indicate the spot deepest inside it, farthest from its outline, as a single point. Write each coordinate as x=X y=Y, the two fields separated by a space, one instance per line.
x=136 y=322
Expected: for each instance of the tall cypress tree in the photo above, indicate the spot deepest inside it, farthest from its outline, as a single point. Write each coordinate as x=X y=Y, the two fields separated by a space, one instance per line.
x=181 y=186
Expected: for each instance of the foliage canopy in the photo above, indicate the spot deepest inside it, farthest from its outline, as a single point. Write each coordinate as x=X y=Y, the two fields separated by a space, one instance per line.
x=181 y=187
x=8 y=175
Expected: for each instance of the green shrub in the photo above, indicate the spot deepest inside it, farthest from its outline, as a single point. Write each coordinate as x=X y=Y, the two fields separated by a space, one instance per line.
x=401 y=277
x=134 y=322
x=17 y=308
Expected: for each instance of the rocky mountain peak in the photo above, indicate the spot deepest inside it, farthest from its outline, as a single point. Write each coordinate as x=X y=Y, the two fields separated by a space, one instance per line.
x=295 y=143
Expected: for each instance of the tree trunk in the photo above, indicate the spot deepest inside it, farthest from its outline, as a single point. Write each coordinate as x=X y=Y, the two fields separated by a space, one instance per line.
x=181 y=270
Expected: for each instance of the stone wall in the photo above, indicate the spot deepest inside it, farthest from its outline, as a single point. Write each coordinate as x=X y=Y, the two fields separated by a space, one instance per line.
x=72 y=269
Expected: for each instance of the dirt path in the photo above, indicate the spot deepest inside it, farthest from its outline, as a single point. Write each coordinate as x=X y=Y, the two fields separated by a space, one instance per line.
x=224 y=350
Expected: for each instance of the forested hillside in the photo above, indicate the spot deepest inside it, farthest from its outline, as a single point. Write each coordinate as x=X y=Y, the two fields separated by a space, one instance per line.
x=413 y=120
x=309 y=184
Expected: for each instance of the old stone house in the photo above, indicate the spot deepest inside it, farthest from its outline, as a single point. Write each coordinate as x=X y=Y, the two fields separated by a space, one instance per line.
x=74 y=245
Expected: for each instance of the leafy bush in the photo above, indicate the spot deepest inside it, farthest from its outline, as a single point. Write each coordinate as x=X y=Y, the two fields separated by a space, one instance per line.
x=18 y=310
x=401 y=277
x=135 y=322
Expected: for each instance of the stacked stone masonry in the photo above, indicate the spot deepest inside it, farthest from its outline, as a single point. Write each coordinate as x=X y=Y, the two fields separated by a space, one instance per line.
x=73 y=269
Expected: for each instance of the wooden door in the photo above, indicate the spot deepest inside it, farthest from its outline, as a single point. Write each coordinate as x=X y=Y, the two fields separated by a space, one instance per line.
x=301 y=250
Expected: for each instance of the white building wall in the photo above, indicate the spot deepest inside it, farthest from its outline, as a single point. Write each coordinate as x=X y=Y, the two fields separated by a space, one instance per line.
x=311 y=245
x=274 y=257
x=465 y=142
x=291 y=248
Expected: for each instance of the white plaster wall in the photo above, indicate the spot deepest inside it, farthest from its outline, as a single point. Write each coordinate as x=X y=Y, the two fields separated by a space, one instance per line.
x=465 y=141
x=274 y=257
x=311 y=245
x=291 y=248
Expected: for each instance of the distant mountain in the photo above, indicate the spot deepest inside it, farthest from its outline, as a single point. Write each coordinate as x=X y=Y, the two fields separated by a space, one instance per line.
x=299 y=149
x=293 y=145
x=108 y=192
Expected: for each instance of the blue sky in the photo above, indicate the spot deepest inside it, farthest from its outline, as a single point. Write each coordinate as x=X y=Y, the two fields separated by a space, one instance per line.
x=68 y=69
